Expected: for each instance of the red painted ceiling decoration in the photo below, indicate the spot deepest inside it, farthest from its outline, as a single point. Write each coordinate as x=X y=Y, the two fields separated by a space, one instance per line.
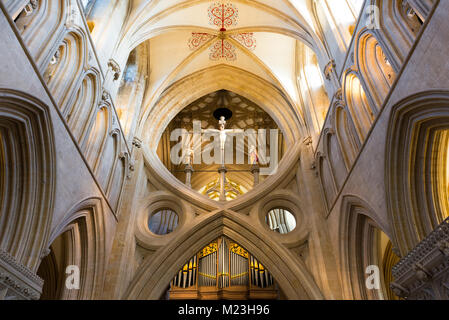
x=223 y=16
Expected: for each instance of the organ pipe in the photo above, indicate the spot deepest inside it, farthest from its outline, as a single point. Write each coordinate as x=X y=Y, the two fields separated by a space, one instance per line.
x=223 y=264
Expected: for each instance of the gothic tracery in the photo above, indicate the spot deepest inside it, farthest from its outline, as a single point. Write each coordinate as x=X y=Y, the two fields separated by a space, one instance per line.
x=281 y=153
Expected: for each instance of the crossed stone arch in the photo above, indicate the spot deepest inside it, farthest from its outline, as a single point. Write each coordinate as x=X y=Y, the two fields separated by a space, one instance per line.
x=290 y=273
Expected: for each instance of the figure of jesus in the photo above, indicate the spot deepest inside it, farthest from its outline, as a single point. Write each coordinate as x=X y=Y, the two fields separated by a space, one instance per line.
x=223 y=132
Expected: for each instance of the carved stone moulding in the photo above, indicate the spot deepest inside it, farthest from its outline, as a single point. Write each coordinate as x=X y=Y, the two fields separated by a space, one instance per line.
x=17 y=282
x=424 y=273
x=115 y=68
x=329 y=68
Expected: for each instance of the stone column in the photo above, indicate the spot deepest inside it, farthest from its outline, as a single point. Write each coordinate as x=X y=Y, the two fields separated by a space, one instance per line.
x=189 y=170
x=255 y=170
x=222 y=171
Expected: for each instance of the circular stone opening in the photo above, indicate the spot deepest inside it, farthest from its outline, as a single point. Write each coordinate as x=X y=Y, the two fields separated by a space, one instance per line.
x=163 y=221
x=280 y=220
x=223 y=112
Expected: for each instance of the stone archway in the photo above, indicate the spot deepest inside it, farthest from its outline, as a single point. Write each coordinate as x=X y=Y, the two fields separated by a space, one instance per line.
x=290 y=273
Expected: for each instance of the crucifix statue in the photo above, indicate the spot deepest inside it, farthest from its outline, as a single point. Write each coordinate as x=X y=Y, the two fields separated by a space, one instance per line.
x=223 y=133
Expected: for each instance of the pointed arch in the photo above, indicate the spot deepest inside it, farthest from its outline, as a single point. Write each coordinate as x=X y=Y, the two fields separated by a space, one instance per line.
x=359 y=248
x=117 y=180
x=374 y=65
x=80 y=112
x=43 y=28
x=416 y=166
x=345 y=131
x=156 y=273
x=397 y=30
x=98 y=135
x=80 y=237
x=336 y=162
x=112 y=167
x=27 y=182
x=327 y=183
x=357 y=103
x=234 y=79
x=66 y=66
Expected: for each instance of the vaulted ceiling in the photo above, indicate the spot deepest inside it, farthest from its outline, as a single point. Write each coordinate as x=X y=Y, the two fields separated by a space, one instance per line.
x=259 y=37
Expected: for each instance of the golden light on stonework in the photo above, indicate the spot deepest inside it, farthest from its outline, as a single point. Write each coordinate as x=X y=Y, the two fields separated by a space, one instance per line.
x=441 y=169
x=447 y=177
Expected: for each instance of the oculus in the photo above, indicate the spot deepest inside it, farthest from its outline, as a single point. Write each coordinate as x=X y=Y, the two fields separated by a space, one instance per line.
x=163 y=222
x=280 y=220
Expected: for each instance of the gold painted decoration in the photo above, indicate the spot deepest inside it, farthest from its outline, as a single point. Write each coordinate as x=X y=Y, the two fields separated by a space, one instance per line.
x=211 y=248
x=239 y=250
x=232 y=190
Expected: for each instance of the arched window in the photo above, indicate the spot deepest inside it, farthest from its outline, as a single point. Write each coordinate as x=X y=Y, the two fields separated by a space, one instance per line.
x=132 y=88
x=163 y=222
x=375 y=68
x=281 y=220
x=358 y=105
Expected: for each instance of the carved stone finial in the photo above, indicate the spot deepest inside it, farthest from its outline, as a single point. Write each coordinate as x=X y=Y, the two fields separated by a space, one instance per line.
x=30 y=7
x=308 y=141
x=137 y=142
x=339 y=95
x=329 y=68
x=115 y=69
x=105 y=96
x=105 y=99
